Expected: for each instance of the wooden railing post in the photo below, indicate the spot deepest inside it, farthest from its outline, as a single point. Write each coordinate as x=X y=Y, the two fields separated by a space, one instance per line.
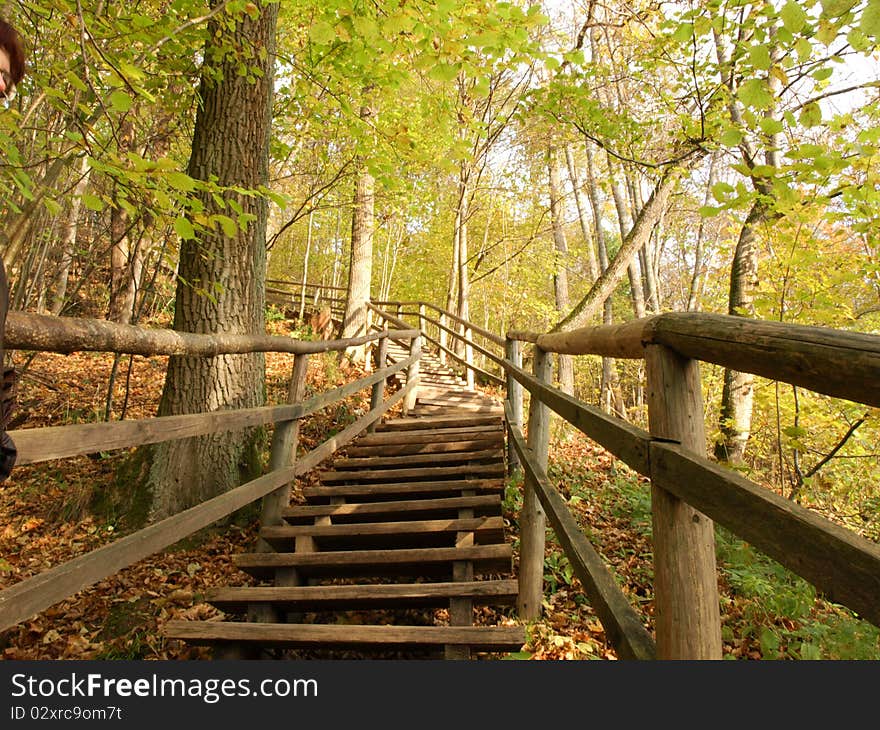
x=513 y=353
x=379 y=388
x=469 y=357
x=412 y=375
x=687 y=620
x=532 y=519
x=443 y=338
x=422 y=315
x=284 y=442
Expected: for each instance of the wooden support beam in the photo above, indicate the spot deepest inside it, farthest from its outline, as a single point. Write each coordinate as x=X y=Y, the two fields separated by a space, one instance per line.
x=513 y=353
x=686 y=607
x=532 y=521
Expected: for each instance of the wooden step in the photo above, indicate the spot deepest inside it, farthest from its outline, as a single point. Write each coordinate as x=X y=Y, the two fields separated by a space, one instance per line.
x=458 y=457
x=383 y=490
x=349 y=597
x=442 y=447
x=457 y=410
x=431 y=435
x=479 y=638
x=411 y=561
x=409 y=509
x=433 y=422
x=485 y=529
x=414 y=474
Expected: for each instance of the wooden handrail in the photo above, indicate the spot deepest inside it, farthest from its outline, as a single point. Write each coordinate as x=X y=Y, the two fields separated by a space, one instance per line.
x=834 y=362
x=44 y=333
x=58 y=442
x=307 y=285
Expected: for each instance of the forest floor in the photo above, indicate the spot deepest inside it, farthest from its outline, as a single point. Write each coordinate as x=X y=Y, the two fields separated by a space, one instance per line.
x=48 y=516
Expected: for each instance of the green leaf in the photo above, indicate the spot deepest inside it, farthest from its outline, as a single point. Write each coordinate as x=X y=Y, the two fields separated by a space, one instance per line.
x=793 y=17
x=836 y=8
x=120 y=101
x=180 y=181
x=731 y=137
x=870 y=24
x=811 y=115
x=755 y=93
x=858 y=40
x=759 y=56
x=707 y=211
x=804 y=49
x=444 y=71
x=230 y=229
x=822 y=74
x=771 y=126
x=721 y=190
x=684 y=32
x=322 y=33
x=184 y=229
x=92 y=202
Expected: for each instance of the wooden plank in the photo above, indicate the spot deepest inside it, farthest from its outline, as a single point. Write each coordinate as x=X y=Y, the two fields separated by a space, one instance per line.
x=485 y=470
x=481 y=638
x=58 y=442
x=442 y=447
x=441 y=504
x=491 y=336
x=347 y=597
x=623 y=627
x=431 y=435
x=842 y=565
x=626 y=442
x=366 y=462
x=413 y=488
x=491 y=558
x=361 y=529
x=432 y=422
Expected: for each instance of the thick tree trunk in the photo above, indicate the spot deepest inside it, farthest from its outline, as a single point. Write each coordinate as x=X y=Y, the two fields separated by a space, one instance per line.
x=560 y=270
x=222 y=278
x=360 y=270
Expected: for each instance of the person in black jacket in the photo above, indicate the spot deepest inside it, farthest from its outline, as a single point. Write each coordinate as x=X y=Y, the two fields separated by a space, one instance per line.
x=12 y=68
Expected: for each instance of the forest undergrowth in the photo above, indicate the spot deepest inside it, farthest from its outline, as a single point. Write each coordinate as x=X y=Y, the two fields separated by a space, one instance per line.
x=54 y=511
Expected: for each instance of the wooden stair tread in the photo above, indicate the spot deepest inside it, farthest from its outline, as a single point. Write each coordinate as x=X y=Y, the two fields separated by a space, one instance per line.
x=415 y=474
x=442 y=504
x=430 y=435
x=485 y=638
x=382 y=489
x=487 y=558
x=409 y=459
x=470 y=524
x=347 y=597
x=431 y=422
x=442 y=447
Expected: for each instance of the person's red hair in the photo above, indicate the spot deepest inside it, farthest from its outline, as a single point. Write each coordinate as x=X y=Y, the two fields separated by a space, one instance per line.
x=10 y=42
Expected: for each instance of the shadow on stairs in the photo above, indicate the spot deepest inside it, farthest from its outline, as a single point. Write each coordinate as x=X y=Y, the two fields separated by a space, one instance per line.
x=393 y=554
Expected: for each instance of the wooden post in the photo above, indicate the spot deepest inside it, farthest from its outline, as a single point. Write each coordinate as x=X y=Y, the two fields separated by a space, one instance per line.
x=532 y=519
x=469 y=357
x=412 y=374
x=687 y=620
x=284 y=442
x=379 y=388
x=422 y=314
x=513 y=353
x=442 y=338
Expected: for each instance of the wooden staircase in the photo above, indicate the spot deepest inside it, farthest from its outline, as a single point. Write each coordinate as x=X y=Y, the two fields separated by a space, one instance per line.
x=392 y=551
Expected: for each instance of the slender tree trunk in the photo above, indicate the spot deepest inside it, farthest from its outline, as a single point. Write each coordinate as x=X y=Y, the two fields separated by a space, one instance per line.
x=696 y=287
x=560 y=270
x=592 y=264
x=360 y=271
x=305 y=272
x=68 y=240
x=222 y=278
x=625 y=224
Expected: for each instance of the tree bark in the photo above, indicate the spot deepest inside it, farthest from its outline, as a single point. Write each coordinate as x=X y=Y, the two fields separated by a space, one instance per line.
x=560 y=270
x=222 y=278
x=360 y=271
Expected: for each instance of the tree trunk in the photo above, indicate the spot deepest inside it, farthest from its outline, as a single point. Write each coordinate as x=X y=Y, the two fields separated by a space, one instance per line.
x=68 y=242
x=737 y=394
x=222 y=278
x=305 y=273
x=624 y=222
x=360 y=270
x=592 y=264
x=560 y=270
